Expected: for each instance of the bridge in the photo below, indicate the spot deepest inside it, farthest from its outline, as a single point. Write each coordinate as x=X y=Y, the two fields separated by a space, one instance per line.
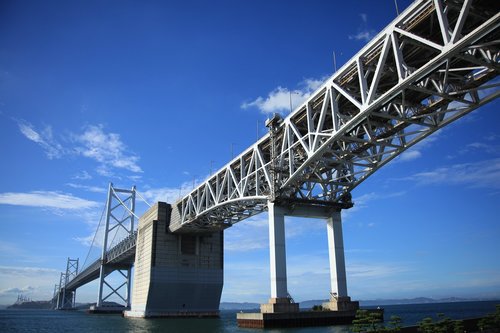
x=436 y=62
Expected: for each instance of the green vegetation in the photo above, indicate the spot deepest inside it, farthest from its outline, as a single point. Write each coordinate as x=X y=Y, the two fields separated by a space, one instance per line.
x=491 y=321
x=372 y=321
x=443 y=325
x=318 y=308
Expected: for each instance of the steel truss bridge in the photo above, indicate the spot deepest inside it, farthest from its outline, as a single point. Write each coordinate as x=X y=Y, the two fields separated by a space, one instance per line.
x=436 y=62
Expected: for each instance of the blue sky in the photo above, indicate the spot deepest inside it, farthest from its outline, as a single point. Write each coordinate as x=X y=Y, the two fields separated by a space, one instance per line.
x=157 y=94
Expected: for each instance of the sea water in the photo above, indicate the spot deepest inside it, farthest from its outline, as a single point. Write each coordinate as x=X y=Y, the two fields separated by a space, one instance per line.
x=80 y=321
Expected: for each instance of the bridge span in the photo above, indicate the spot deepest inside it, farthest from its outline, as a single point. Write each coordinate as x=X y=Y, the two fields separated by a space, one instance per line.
x=436 y=62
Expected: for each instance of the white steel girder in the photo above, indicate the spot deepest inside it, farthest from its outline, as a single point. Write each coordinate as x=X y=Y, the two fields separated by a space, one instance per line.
x=436 y=62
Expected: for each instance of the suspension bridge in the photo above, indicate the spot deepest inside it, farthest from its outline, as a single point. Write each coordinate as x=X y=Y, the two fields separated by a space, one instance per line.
x=434 y=63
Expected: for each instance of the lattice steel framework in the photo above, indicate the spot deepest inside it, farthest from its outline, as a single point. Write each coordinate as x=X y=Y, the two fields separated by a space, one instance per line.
x=119 y=200
x=54 y=296
x=436 y=62
x=61 y=287
x=69 y=296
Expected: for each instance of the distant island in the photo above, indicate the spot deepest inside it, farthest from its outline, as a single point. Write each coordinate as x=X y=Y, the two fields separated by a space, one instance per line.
x=40 y=305
x=244 y=306
x=48 y=305
x=376 y=302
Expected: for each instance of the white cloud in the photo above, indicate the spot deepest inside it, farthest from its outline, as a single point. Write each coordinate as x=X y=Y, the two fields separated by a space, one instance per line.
x=364 y=33
x=250 y=234
x=87 y=240
x=104 y=171
x=94 y=189
x=166 y=194
x=483 y=174
x=492 y=137
x=374 y=270
x=278 y=100
x=46 y=199
x=84 y=175
x=44 y=138
x=38 y=282
x=26 y=271
x=107 y=149
x=312 y=84
x=135 y=178
x=363 y=200
x=410 y=155
x=481 y=146
x=15 y=290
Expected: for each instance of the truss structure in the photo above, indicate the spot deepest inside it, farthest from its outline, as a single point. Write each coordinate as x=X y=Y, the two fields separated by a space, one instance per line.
x=119 y=200
x=54 y=296
x=61 y=287
x=436 y=62
x=68 y=296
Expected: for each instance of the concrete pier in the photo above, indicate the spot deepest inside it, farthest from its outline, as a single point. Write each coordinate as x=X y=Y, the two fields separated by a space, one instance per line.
x=281 y=311
x=339 y=301
x=280 y=300
x=175 y=274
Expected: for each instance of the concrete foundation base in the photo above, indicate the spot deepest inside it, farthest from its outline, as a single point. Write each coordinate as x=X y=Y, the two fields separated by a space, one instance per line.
x=153 y=314
x=106 y=309
x=341 y=304
x=295 y=319
x=279 y=305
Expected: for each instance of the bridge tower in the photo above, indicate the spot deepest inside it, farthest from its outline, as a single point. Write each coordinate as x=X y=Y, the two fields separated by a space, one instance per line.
x=65 y=298
x=60 y=299
x=120 y=201
x=54 y=296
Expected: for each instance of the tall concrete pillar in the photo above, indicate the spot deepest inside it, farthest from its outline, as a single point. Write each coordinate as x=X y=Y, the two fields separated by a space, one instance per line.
x=277 y=251
x=279 y=301
x=339 y=300
x=175 y=274
x=338 y=281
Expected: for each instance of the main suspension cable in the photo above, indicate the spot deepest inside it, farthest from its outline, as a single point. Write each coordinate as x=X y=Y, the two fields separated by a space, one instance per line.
x=95 y=235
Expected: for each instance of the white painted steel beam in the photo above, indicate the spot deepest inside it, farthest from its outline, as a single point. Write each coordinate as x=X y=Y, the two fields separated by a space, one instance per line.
x=433 y=64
